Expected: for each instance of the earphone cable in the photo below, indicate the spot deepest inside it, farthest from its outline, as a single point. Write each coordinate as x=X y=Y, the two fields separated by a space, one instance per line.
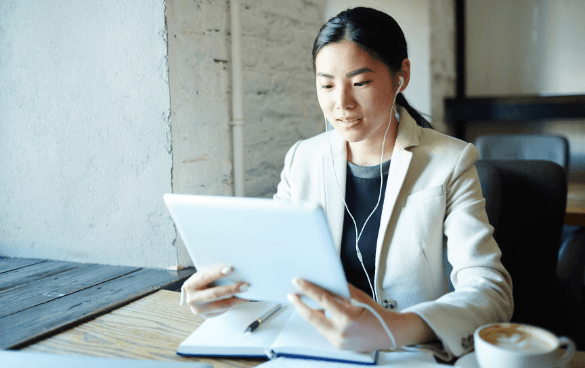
x=358 y=235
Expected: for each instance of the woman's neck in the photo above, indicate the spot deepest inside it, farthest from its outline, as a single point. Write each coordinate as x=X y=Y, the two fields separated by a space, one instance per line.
x=368 y=151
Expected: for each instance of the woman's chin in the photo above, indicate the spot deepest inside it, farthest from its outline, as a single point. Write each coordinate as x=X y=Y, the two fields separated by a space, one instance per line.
x=351 y=137
x=349 y=134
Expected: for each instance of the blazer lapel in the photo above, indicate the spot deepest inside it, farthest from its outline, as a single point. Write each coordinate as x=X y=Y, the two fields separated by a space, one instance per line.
x=334 y=194
x=401 y=158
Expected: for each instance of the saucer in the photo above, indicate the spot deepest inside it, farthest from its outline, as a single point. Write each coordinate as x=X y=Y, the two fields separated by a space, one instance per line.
x=467 y=361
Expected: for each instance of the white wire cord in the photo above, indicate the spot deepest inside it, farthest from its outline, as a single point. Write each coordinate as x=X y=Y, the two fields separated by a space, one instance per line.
x=358 y=235
x=382 y=322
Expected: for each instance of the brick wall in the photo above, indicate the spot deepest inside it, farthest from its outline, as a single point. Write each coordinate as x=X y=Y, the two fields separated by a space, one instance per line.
x=280 y=101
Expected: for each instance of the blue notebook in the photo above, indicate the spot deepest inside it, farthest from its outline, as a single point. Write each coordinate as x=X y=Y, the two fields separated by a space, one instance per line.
x=285 y=334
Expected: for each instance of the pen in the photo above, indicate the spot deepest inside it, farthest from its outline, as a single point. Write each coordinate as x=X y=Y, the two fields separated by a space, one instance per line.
x=254 y=325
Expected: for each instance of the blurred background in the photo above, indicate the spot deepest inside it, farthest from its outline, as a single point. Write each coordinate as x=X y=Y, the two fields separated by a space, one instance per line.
x=105 y=106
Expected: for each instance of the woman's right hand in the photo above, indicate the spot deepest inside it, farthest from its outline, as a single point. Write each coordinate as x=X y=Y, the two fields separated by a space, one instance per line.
x=208 y=300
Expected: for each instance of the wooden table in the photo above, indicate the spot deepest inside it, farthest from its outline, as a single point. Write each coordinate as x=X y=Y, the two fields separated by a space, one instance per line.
x=150 y=328
x=575 y=205
x=39 y=298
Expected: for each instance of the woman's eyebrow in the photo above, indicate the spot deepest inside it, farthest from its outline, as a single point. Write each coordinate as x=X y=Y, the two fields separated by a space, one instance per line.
x=358 y=71
x=348 y=75
x=324 y=75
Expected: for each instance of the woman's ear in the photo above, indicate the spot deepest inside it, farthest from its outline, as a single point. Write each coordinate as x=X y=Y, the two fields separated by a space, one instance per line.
x=404 y=73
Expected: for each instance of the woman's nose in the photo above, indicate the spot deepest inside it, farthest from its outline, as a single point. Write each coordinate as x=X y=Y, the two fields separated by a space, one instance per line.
x=345 y=99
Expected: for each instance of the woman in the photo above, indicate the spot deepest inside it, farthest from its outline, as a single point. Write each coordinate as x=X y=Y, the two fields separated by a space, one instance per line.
x=396 y=194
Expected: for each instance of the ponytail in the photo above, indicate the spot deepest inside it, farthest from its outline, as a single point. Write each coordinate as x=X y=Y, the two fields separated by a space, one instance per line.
x=400 y=100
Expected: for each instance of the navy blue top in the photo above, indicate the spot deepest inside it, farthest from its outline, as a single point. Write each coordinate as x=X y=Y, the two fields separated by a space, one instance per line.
x=362 y=189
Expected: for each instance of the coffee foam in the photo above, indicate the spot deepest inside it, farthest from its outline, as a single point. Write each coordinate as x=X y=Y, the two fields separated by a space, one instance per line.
x=519 y=337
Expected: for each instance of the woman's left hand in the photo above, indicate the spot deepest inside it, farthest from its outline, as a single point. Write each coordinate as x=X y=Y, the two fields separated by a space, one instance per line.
x=348 y=327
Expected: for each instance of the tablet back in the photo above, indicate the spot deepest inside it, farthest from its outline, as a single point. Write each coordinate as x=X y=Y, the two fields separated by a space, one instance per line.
x=267 y=242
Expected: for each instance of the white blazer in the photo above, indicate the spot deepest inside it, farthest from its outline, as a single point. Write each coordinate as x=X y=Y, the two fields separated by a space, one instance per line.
x=433 y=201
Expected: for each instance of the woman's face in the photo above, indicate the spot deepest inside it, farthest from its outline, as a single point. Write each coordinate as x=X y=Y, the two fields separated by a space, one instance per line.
x=355 y=91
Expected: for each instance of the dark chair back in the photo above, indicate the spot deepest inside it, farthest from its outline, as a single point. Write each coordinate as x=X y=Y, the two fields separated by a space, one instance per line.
x=528 y=213
x=525 y=147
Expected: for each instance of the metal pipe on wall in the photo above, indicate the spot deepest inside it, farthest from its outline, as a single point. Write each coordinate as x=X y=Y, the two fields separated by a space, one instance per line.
x=237 y=100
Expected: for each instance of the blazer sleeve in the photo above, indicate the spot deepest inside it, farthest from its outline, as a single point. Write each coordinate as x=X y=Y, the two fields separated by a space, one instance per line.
x=283 y=191
x=483 y=288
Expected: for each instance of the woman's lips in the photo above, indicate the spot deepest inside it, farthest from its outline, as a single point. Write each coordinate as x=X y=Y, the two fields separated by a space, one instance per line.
x=348 y=122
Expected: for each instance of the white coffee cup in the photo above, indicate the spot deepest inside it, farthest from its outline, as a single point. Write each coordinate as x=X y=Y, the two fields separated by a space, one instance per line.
x=513 y=345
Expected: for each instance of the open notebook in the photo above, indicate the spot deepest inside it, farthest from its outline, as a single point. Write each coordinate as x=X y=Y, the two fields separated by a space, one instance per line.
x=286 y=334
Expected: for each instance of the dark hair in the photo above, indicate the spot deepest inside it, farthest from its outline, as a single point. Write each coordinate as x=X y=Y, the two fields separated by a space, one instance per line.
x=378 y=34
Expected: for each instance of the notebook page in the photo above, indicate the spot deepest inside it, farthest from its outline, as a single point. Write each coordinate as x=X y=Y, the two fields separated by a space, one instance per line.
x=300 y=338
x=224 y=335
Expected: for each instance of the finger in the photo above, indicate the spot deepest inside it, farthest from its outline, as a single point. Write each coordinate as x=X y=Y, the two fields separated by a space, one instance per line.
x=200 y=280
x=216 y=293
x=363 y=297
x=358 y=294
x=315 y=317
x=329 y=301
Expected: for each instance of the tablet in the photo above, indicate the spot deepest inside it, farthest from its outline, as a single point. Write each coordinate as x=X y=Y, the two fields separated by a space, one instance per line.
x=267 y=242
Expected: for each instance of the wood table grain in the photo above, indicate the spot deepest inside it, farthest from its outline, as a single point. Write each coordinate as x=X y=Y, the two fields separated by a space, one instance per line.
x=39 y=298
x=575 y=204
x=150 y=328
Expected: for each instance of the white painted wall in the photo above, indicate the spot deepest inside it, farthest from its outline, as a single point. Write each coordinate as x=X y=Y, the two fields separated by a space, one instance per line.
x=86 y=151
x=442 y=42
x=527 y=47
x=413 y=18
x=523 y=48
x=562 y=31
x=85 y=144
